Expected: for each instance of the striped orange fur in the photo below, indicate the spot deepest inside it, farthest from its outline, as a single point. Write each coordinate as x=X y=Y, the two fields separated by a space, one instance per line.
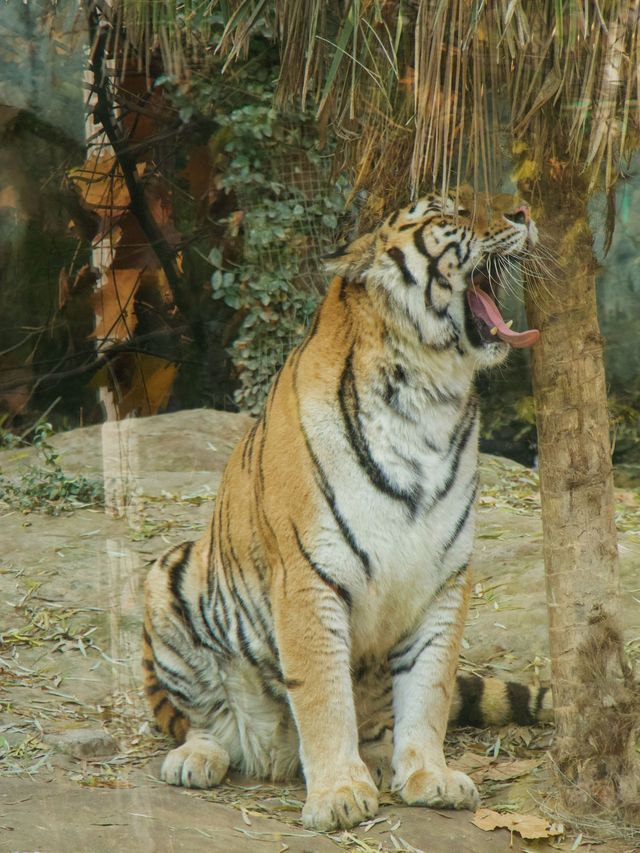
x=325 y=603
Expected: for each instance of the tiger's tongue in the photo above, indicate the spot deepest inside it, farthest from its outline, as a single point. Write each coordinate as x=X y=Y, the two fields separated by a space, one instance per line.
x=483 y=306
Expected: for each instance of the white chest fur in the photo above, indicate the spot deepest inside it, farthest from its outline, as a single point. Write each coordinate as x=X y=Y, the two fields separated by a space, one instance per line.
x=403 y=468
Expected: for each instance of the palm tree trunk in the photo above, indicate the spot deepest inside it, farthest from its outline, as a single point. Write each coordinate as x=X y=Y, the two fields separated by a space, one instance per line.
x=596 y=709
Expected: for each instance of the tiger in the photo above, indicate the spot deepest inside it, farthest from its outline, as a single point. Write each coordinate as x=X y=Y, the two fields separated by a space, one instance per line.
x=325 y=603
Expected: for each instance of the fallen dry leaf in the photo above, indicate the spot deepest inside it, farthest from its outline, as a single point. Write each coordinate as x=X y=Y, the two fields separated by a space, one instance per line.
x=526 y=825
x=502 y=771
x=485 y=767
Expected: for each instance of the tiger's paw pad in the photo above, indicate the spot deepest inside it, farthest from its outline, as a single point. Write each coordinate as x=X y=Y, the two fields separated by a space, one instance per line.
x=340 y=807
x=198 y=763
x=448 y=789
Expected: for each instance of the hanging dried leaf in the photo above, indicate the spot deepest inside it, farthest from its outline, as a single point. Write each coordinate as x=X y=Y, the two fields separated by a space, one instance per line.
x=114 y=304
x=17 y=382
x=199 y=173
x=101 y=186
x=84 y=281
x=149 y=393
x=9 y=197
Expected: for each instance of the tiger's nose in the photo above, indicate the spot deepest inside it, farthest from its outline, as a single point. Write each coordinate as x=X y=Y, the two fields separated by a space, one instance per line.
x=521 y=215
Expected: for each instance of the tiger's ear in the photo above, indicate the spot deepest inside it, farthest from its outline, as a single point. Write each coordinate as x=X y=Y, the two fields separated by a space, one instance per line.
x=352 y=260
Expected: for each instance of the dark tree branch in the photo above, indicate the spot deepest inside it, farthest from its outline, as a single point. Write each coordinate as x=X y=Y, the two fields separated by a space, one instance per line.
x=98 y=360
x=126 y=160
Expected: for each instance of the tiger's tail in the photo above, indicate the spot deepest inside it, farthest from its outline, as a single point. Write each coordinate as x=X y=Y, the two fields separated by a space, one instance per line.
x=170 y=720
x=491 y=702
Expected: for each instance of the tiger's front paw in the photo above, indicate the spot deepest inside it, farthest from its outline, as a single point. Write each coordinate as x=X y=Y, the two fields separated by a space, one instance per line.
x=448 y=789
x=199 y=763
x=342 y=806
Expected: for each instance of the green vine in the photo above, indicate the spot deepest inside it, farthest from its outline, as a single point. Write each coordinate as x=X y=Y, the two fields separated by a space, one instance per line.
x=283 y=228
x=287 y=213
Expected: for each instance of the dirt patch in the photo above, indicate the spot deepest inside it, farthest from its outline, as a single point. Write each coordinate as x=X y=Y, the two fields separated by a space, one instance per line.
x=78 y=757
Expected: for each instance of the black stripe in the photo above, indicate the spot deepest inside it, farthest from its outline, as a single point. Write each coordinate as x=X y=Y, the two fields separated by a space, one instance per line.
x=392 y=219
x=460 y=572
x=313 y=329
x=400 y=653
x=442 y=398
x=471 y=688
x=457 y=530
x=179 y=603
x=175 y=719
x=150 y=689
x=240 y=597
x=407 y=667
x=456 y=245
x=262 y=520
x=274 y=389
x=434 y=273
x=407 y=226
x=220 y=600
x=458 y=450
x=519 y=696
x=339 y=590
x=328 y=493
x=470 y=406
x=175 y=691
x=247 y=450
x=397 y=256
x=164 y=701
x=221 y=645
x=339 y=252
x=163 y=670
x=421 y=246
x=227 y=560
x=377 y=737
x=267 y=634
x=350 y=409
x=243 y=642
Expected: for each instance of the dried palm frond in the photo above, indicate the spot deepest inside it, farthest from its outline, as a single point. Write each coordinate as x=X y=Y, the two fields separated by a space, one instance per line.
x=444 y=81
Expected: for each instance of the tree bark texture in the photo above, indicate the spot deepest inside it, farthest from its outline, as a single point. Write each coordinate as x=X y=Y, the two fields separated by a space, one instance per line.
x=593 y=691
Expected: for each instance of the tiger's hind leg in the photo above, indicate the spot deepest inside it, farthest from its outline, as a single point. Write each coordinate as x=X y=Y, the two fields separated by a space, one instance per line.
x=373 y=697
x=182 y=679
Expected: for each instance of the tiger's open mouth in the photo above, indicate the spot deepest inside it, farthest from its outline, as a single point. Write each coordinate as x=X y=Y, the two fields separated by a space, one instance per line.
x=488 y=322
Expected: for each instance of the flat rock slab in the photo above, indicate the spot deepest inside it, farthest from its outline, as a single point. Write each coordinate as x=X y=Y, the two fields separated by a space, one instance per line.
x=83 y=743
x=62 y=818
x=79 y=761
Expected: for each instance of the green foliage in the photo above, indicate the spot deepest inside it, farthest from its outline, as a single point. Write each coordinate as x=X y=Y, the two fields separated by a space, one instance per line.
x=287 y=214
x=45 y=487
x=516 y=418
x=624 y=414
x=283 y=227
